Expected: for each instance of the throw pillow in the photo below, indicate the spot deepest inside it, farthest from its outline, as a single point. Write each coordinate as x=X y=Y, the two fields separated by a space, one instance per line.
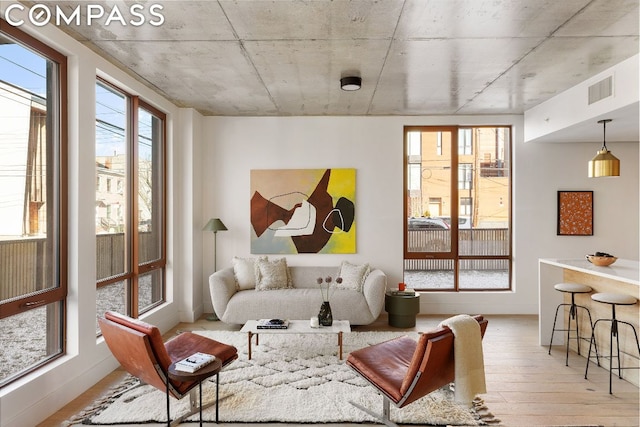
x=272 y=274
x=353 y=276
x=244 y=272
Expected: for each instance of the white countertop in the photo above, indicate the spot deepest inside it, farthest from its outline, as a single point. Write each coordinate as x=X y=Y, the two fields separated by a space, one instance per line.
x=623 y=270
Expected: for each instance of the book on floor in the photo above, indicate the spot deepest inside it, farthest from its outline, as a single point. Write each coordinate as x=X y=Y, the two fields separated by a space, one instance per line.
x=194 y=362
x=272 y=324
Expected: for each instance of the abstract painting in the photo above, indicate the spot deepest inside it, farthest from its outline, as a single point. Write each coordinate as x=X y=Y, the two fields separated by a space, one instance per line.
x=575 y=213
x=303 y=211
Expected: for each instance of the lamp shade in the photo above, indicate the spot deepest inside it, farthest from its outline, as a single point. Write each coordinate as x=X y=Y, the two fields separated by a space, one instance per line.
x=214 y=225
x=604 y=164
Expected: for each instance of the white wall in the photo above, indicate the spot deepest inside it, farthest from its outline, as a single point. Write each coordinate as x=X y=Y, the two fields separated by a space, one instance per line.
x=571 y=109
x=542 y=170
x=373 y=145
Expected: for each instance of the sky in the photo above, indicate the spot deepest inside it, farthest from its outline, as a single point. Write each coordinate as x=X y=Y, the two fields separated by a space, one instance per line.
x=23 y=68
x=27 y=70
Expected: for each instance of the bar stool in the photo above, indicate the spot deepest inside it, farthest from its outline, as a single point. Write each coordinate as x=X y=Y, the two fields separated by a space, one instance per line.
x=573 y=289
x=613 y=300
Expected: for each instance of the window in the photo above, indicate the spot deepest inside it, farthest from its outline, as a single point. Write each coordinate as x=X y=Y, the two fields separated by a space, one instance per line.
x=469 y=200
x=465 y=206
x=33 y=246
x=465 y=146
x=130 y=215
x=464 y=176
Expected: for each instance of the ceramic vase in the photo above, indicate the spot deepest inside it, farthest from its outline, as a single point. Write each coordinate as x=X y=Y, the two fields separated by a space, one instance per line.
x=325 y=317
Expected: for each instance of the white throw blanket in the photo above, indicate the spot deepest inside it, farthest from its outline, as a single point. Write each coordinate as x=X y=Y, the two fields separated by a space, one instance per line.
x=469 y=360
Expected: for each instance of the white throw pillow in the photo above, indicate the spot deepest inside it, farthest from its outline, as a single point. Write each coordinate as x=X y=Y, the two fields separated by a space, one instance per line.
x=245 y=273
x=272 y=274
x=353 y=276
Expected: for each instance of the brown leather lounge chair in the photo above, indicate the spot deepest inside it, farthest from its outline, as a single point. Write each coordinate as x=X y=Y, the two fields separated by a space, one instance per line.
x=404 y=370
x=139 y=348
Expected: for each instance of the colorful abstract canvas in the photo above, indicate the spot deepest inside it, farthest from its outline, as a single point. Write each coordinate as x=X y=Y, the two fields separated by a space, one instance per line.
x=575 y=213
x=303 y=211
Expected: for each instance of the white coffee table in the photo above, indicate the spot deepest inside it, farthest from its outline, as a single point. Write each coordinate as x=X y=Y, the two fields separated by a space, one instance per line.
x=298 y=327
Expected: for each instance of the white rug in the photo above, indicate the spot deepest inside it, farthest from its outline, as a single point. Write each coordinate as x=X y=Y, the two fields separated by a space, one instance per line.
x=291 y=379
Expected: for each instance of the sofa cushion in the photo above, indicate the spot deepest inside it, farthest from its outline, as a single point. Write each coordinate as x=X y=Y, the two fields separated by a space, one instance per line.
x=244 y=272
x=298 y=304
x=272 y=274
x=352 y=275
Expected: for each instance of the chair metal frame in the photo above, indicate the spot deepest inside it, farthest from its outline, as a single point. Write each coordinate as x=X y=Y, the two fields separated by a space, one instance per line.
x=573 y=314
x=139 y=349
x=613 y=332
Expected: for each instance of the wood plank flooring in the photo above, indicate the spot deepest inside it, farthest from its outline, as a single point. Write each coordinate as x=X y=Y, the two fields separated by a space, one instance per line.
x=526 y=386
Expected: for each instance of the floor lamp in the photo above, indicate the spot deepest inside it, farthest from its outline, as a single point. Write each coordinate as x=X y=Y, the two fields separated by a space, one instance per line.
x=215 y=225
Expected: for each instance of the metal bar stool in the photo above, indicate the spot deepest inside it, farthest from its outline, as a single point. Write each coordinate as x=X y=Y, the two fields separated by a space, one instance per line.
x=572 y=288
x=613 y=300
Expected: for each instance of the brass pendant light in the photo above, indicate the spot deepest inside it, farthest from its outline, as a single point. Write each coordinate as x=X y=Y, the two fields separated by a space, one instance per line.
x=604 y=163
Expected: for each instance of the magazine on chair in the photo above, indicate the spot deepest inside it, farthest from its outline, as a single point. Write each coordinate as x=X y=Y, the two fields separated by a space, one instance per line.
x=194 y=362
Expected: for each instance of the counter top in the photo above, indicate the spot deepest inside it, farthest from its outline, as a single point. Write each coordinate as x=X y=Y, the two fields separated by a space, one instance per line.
x=623 y=270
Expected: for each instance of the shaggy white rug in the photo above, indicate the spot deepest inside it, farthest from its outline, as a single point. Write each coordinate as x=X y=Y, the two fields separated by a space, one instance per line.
x=291 y=379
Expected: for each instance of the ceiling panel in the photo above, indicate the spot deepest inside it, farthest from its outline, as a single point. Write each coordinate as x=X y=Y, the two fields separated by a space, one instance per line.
x=313 y=20
x=541 y=75
x=444 y=75
x=303 y=75
x=485 y=18
x=416 y=57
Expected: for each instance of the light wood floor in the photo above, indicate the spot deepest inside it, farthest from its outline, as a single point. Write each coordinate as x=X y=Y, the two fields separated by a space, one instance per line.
x=526 y=386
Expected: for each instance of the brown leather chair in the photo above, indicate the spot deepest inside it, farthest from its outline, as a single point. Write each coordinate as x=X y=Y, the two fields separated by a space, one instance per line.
x=404 y=370
x=139 y=348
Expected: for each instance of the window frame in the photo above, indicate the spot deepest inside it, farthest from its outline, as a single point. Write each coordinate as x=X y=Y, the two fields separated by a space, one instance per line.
x=57 y=136
x=453 y=254
x=134 y=268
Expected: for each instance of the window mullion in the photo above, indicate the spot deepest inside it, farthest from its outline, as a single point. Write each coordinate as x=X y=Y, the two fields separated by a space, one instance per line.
x=133 y=202
x=454 y=206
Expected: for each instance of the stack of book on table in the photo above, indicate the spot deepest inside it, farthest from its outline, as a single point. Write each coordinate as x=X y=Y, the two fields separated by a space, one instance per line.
x=273 y=324
x=194 y=362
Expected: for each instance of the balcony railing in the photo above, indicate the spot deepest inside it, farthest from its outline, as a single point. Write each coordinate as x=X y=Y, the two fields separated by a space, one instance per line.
x=24 y=263
x=23 y=267
x=471 y=242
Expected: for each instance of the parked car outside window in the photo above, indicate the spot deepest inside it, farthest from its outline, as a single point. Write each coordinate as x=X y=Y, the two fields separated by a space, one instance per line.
x=427 y=224
x=464 y=222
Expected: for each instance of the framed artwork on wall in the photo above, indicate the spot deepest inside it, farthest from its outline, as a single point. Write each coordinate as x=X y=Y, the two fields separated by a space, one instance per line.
x=303 y=211
x=575 y=213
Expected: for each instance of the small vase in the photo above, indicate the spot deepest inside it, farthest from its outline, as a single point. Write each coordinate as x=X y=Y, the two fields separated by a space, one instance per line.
x=325 y=317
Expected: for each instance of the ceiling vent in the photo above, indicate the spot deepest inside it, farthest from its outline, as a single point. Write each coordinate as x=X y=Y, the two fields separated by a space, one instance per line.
x=602 y=89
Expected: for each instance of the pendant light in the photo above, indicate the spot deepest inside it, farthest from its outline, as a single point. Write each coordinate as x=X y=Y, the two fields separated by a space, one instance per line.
x=604 y=163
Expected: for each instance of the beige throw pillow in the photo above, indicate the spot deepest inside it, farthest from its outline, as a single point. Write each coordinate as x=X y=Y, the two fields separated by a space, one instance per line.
x=272 y=274
x=244 y=271
x=353 y=276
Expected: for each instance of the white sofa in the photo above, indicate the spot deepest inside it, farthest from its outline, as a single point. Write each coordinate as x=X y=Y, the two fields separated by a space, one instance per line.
x=301 y=300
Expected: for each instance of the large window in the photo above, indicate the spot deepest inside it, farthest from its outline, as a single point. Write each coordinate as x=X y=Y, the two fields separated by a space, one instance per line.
x=33 y=247
x=457 y=208
x=130 y=207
